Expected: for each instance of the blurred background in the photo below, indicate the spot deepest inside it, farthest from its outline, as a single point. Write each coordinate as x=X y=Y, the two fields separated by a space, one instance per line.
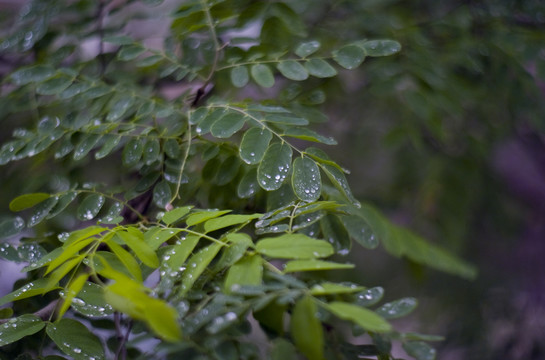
x=446 y=138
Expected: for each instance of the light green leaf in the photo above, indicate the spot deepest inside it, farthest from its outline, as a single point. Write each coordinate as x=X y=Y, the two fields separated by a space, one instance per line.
x=381 y=47
x=72 y=290
x=68 y=252
x=398 y=308
x=162 y=194
x=156 y=236
x=248 y=185
x=308 y=135
x=174 y=259
x=307 y=48
x=54 y=85
x=90 y=206
x=17 y=328
x=262 y=75
x=135 y=240
x=313 y=265
x=365 y=318
x=247 y=271
x=228 y=125
x=320 y=68
x=275 y=166
x=236 y=248
x=349 y=56
x=328 y=288
x=132 y=152
x=61 y=271
x=10 y=227
x=306 y=329
x=36 y=287
x=175 y=215
x=126 y=259
x=26 y=201
x=420 y=350
x=239 y=76
x=197 y=264
x=294 y=246
x=75 y=340
x=292 y=70
x=202 y=216
x=228 y=220
x=41 y=210
x=254 y=144
x=305 y=180
x=360 y=231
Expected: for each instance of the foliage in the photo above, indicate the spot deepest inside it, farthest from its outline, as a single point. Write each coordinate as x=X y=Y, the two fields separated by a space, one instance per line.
x=209 y=216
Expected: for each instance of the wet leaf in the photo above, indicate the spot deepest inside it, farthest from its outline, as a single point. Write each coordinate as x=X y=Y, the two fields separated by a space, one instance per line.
x=262 y=75
x=420 y=350
x=306 y=329
x=64 y=200
x=294 y=246
x=248 y=185
x=133 y=152
x=175 y=215
x=90 y=302
x=308 y=135
x=41 y=210
x=349 y=56
x=135 y=241
x=120 y=107
x=86 y=144
x=275 y=166
x=75 y=340
x=247 y=271
x=36 y=287
x=254 y=144
x=313 y=265
x=162 y=194
x=360 y=231
x=320 y=68
x=370 y=296
x=307 y=48
x=381 y=47
x=292 y=70
x=54 y=85
x=228 y=125
x=26 y=201
x=8 y=252
x=151 y=151
x=398 y=308
x=197 y=264
x=32 y=74
x=228 y=220
x=328 y=288
x=306 y=180
x=17 y=328
x=110 y=142
x=112 y=216
x=365 y=318
x=239 y=76
x=90 y=206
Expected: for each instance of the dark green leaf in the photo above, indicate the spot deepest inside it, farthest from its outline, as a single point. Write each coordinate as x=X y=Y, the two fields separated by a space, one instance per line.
x=262 y=75
x=381 y=47
x=172 y=148
x=90 y=302
x=370 y=296
x=306 y=180
x=54 y=85
x=130 y=52
x=8 y=252
x=133 y=152
x=110 y=142
x=292 y=70
x=254 y=144
x=120 y=107
x=349 y=56
x=151 y=151
x=419 y=350
x=227 y=170
x=26 y=201
x=85 y=145
x=162 y=194
x=239 y=76
x=307 y=48
x=398 y=308
x=309 y=135
x=335 y=233
x=64 y=201
x=112 y=216
x=248 y=185
x=90 y=206
x=283 y=350
x=41 y=210
x=286 y=119
x=17 y=328
x=306 y=329
x=32 y=74
x=228 y=125
x=320 y=68
x=149 y=61
x=75 y=340
x=275 y=166
x=360 y=231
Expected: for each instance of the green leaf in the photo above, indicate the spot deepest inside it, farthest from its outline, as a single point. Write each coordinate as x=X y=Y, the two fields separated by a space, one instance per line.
x=111 y=141
x=262 y=75
x=294 y=246
x=247 y=271
x=349 y=56
x=335 y=233
x=381 y=47
x=254 y=144
x=360 y=231
x=175 y=215
x=135 y=240
x=286 y=119
x=32 y=74
x=306 y=329
x=10 y=227
x=306 y=180
x=283 y=350
x=26 y=201
x=197 y=264
x=228 y=220
x=8 y=252
x=152 y=151
x=228 y=125
x=69 y=250
x=307 y=48
x=75 y=340
x=54 y=85
x=275 y=166
x=365 y=318
x=320 y=68
x=328 y=288
x=308 y=135
x=174 y=259
x=90 y=301
x=72 y=290
x=202 y=216
x=120 y=107
x=85 y=145
x=41 y=210
x=420 y=350
x=130 y=52
x=90 y=206
x=6 y=313
x=292 y=70
x=248 y=185
x=370 y=297
x=313 y=265
x=239 y=76
x=119 y=40
x=162 y=194
x=133 y=152
x=74 y=90
x=17 y=328
x=112 y=216
x=149 y=61
x=36 y=287
x=398 y=308
x=126 y=259
x=156 y=236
